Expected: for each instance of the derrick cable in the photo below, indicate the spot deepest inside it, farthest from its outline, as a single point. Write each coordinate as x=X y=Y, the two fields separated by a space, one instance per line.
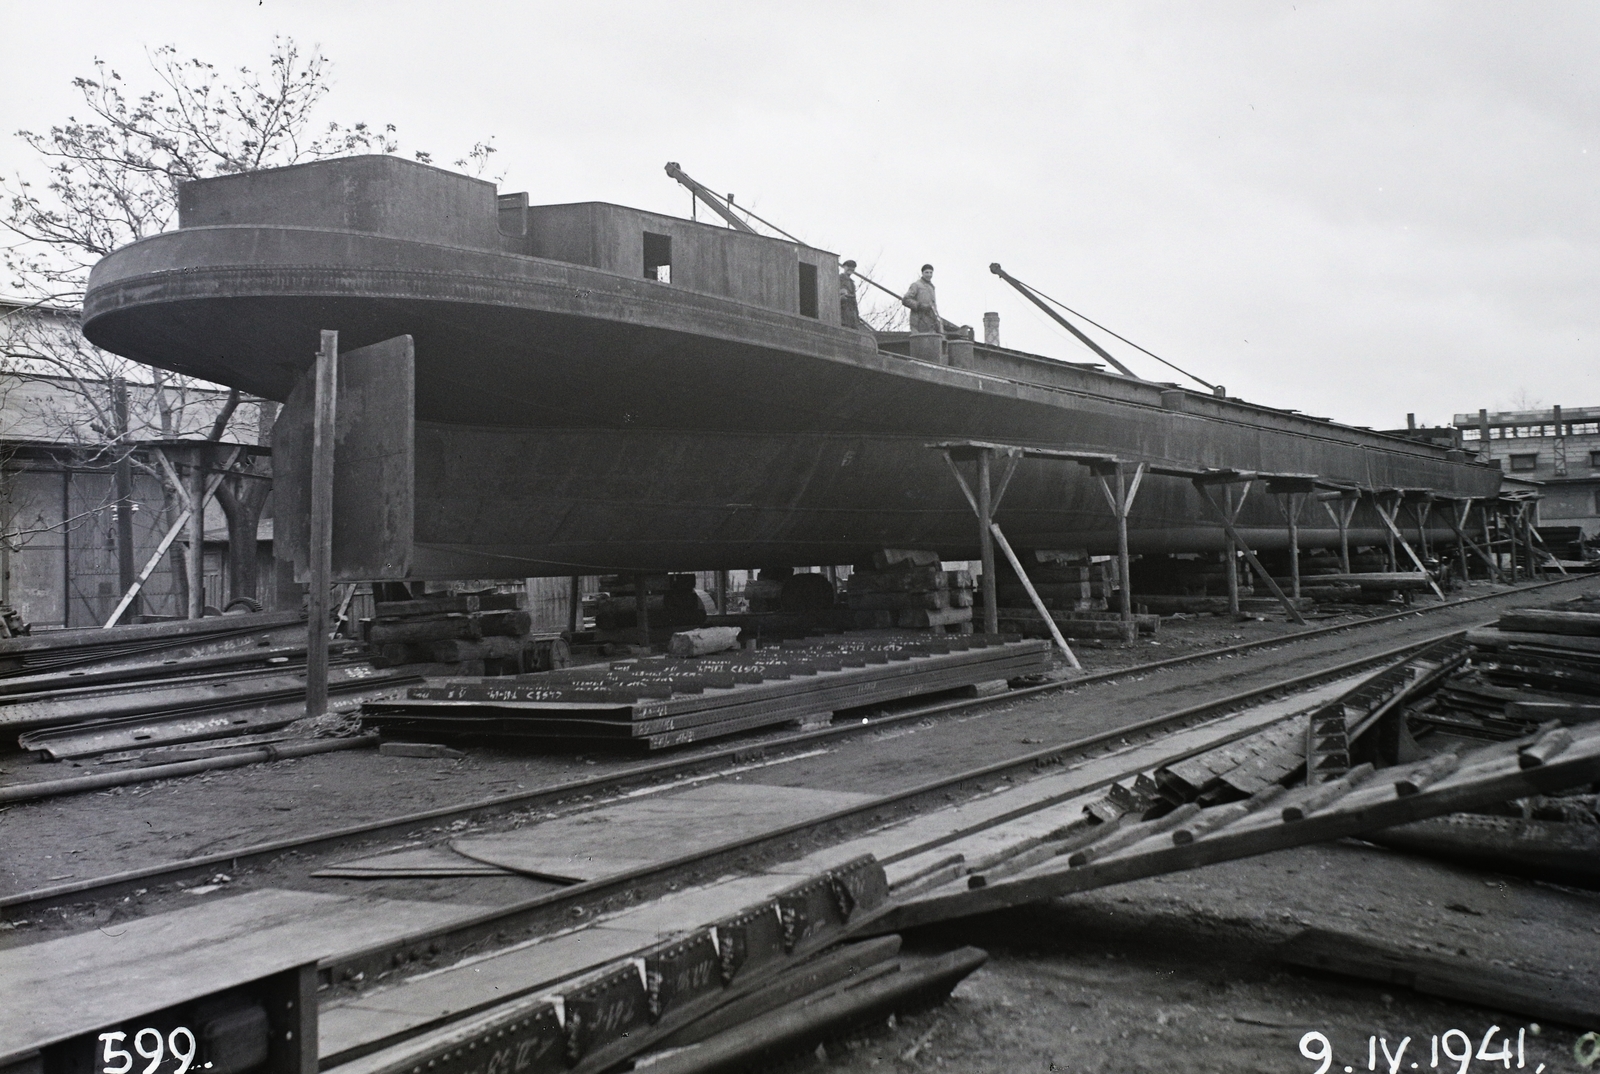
x=1124 y=339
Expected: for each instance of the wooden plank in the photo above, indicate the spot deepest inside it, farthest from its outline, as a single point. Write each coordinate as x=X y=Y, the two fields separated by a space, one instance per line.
x=643 y=831
x=908 y=848
x=1488 y=775
x=320 y=555
x=57 y=987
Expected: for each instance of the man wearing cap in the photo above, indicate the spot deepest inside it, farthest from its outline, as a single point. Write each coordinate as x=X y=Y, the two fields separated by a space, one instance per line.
x=849 y=312
x=920 y=300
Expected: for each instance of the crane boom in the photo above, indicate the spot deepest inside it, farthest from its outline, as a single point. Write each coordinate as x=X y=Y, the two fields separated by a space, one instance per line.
x=1027 y=293
x=716 y=204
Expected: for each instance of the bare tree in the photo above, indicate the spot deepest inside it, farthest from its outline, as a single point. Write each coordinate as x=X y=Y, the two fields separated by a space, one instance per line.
x=111 y=177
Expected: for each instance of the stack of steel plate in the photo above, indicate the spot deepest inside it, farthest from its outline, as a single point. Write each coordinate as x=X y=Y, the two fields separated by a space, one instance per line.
x=68 y=651
x=666 y=701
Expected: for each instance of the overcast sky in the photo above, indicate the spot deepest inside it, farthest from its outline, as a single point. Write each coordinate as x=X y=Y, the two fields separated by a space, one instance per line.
x=1357 y=210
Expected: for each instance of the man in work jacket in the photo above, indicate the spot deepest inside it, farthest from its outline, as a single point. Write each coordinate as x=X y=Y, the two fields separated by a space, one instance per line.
x=920 y=300
x=849 y=311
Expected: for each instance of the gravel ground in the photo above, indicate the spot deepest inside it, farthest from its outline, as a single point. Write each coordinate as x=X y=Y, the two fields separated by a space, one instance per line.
x=1173 y=973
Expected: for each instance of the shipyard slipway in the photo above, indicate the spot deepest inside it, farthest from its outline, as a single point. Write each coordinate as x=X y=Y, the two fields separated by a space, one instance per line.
x=585 y=388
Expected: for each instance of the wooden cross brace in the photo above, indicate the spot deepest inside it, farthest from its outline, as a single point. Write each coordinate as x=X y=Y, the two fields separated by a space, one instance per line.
x=1388 y=505
x=984 y=503
x=1292 y=495
x=172 y=532
x=1121 y=502
x=1346 y=501
x=1459 y=525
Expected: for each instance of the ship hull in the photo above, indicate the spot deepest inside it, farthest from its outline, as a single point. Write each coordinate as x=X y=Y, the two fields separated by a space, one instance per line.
x=570 y=420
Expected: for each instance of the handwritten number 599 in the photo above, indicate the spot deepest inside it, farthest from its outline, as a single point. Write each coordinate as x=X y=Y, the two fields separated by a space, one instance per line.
x=148 y=1043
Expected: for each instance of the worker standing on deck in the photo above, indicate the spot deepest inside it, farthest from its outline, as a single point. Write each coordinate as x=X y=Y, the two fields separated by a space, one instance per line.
x=849 y=312
x=922 y=303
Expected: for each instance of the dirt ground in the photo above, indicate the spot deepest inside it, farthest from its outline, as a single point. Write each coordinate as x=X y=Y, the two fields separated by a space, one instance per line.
x=1173 y=973
x=1177 y=972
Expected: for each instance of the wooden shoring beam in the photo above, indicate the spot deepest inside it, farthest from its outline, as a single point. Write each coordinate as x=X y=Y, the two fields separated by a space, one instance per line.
x=1038 y=604
x=166 y=541
x=1526 y=517
x=983 y=505
x=323 y=432
x=1387 y=513
x=1231 y=555
x=1121 y=502
x=1488 y=538
x=1291 y=501
x=575 y=604
x=1420 y=510
x=197 y=540
x=991 y=603
x=1348 y=500
x=1226 y=515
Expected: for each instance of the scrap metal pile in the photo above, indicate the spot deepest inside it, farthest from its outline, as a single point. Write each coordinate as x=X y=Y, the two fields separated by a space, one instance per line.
x=656 y=702
x=160 y=692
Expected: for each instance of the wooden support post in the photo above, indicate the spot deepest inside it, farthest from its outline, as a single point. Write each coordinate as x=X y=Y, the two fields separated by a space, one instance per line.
x=124 y=489
x=641 y=604
x=1291 y=505
x=1466 y=542
x=574 y=604
x=1488 y=541
x=722 y=592
x=197 y=538
x=1038 y=604
x=1238 y=541
x=1121 y=504
x=991 y=601
x=1527 y=542
x=1294 y=544
x=1347 y=501
x=1231 y=553
x=323 y=429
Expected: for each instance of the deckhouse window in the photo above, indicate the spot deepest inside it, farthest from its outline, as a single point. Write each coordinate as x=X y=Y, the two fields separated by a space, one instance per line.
x=808 y=290
x=657 y=257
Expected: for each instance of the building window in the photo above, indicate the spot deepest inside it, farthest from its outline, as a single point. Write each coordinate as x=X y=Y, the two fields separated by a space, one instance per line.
x=658 y=257
x=1469 y=434
x=1524 y=463
x=1594 y=460
x=808 y=290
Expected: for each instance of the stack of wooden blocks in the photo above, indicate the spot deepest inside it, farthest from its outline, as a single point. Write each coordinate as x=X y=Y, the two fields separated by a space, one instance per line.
x=909 y=588
x=479 y=633
x=1065 y=581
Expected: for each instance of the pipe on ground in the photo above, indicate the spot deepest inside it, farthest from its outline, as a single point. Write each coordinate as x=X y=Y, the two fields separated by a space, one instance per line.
x=52 y=788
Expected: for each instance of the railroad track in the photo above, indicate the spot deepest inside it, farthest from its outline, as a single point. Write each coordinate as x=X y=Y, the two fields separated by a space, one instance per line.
x=526 y=915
